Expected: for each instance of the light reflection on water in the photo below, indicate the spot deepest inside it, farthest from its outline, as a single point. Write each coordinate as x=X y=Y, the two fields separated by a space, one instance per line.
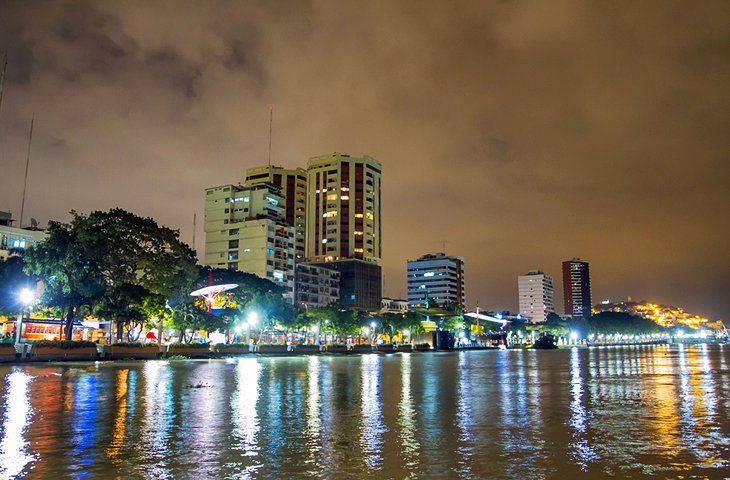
x=629 y=412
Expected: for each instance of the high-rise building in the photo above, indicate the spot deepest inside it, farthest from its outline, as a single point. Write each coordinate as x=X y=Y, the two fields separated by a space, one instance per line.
x=293 y=186
x=577 y=288
x=245 y=230
x=536 y=295
x=343 y=208
x=438 y=277
x=360 y=283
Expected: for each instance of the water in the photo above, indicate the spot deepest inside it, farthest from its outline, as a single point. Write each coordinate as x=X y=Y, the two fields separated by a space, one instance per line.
x=625 y=412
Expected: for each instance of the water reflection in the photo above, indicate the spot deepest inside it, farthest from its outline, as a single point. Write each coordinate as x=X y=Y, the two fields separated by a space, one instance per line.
x=372 y=427
x=245 y=418
x=14 y=454
x=580 y=450
x=624 y=412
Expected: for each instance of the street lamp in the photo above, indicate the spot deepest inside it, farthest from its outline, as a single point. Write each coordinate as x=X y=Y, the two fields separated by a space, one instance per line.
x=251 y=320
x=26 y=297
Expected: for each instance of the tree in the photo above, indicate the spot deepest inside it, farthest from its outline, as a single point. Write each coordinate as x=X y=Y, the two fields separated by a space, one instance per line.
x=110 y=261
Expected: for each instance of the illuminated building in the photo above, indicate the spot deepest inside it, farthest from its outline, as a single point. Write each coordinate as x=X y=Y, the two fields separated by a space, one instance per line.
x=577 y=288
x=389 y=305
x=438 y=277
x=293 y=186
x=245 y=230
x=343 y=224
x=16 y=238
x=663 y=315
x=343 y=208
x=536 y=295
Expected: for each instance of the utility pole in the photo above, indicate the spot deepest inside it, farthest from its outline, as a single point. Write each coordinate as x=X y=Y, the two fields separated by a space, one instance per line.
x=27 y=163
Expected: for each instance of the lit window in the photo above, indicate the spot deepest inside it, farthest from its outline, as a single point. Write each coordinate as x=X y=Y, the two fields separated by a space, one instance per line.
x=332 y=197
x=345 y=197
x=269 y=251
x=358 y=215
x=428 y=274
x=324 y=240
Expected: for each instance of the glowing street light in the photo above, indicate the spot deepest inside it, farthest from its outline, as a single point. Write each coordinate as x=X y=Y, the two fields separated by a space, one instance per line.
x=26 y=296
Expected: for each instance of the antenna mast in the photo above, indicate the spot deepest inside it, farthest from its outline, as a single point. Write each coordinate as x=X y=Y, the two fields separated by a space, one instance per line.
x=25 y=181
x=271 y=122
x=2 y=78
x=195 y=217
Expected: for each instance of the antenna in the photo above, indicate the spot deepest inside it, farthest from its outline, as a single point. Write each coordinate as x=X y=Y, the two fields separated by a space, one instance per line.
x=27 y=162
x=195 y=217
x=443 y=245
x=2 y=77
x=271 y=122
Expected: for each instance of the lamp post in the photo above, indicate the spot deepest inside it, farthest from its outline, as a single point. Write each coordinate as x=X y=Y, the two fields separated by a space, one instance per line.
x=26 y=297
x=252 y=320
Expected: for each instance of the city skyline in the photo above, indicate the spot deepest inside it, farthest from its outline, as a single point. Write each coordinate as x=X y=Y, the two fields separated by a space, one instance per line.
x=519 y=146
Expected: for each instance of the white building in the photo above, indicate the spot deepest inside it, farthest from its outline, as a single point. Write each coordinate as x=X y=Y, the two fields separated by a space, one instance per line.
x=12 y=238
x=536 y=295
x=438 y=277
x=245 y=230
x=389 y=305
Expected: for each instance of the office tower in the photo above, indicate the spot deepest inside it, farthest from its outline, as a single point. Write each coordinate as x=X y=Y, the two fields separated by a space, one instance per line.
x=577 y=288
x=343 y=208
x=245 y=230
x=438 y=277
x=343 y=224
x=293 y=186
x=536 y=295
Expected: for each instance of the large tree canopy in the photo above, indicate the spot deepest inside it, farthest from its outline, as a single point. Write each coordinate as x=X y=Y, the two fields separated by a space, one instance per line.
x=109 y=261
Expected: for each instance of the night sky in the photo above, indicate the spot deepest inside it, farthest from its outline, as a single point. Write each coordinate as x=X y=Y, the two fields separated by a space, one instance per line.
x=523 y=133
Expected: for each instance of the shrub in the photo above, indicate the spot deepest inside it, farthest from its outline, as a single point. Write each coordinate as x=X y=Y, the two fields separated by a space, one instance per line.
x=63 y=344
x=335 y=344
x=190 y=345
x=223 y=346
x=7 y=345
x=423 y=345
x=132 y=344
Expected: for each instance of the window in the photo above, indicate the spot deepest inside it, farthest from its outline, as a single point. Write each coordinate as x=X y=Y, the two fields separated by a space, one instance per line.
x=233 y=231
x=232 y=255
x=232 y=244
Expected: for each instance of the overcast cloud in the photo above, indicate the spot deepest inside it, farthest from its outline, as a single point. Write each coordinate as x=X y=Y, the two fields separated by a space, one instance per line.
x=523 y=133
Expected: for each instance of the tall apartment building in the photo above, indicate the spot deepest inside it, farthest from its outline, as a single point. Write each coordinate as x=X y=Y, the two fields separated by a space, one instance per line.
x=293 y=186
x=577 y=288
x=536 y=295
x=438 y=277
x=343 y=224
x=245 y=230
x=343 y=208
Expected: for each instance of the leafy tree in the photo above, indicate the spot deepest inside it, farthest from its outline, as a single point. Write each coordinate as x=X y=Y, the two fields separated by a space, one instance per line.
x=109 y=261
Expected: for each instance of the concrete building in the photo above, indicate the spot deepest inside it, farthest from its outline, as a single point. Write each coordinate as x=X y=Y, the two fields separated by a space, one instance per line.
x=245 y=230
x=577 y=288
x=536 y=295
x=316 y=286
x=343 y=208
x=438 y=276
x=293 y=188
x=16 y=238
x=390 y=305
x=360 y=283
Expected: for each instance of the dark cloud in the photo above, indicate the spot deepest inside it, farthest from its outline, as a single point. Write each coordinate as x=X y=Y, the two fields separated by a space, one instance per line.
x=524 y=133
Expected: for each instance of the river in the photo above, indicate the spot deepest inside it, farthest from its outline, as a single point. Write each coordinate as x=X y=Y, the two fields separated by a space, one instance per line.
x=609 y=412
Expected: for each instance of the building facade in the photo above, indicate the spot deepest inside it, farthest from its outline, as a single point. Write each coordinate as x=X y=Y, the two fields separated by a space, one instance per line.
x=535 y=295
x=316 y=286
x=292 y=184
x=577 y=288
x=343 y=208
x=390 y=305
x=245 y=230
x=360 y=283
x=12 y=238
x=438 y=277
